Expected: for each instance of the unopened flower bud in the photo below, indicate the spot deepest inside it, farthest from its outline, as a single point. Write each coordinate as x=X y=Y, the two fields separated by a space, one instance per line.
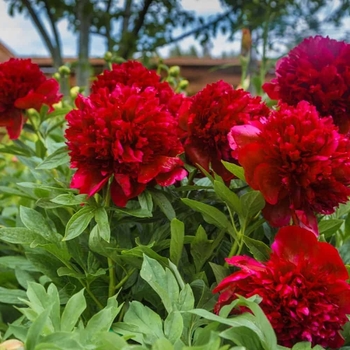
x=12 y=344
x=57 y=76
x=183 y=84
x=64 y=70
x=57 y=105
x=108 y=56
x=174 y=71
x=74 y=91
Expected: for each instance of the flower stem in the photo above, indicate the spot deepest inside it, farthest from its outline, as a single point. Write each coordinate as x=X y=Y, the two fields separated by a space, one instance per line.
x=112 y=279
x=120 y=284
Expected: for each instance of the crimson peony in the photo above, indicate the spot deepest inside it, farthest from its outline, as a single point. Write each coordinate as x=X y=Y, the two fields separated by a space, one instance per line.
x=303 y=287
x=214 y=111
x=317 y=71
x=128 y=134
x=133 y=73
x=23 y=86
x=299 y=162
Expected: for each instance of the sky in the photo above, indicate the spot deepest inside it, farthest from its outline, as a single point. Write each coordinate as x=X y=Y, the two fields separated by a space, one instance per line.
x=21 y=37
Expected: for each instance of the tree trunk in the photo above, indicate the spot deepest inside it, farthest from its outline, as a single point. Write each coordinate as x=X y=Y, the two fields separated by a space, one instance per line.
x=83 y=69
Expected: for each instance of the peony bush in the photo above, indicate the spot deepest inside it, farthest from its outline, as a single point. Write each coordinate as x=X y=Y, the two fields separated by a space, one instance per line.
x=138 y=217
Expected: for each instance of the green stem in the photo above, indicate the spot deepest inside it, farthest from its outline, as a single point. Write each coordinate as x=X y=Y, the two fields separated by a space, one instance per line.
x=112 y=277
x=38 y=134
x=91 y=295
x=121 y=282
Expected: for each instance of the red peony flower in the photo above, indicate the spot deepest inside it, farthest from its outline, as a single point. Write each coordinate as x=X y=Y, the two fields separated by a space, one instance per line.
x=133 y=73
x=303 y=287
x=317 y=71
x=213 y=112
x=23 y=86
x=299 y=162
x=126 y=134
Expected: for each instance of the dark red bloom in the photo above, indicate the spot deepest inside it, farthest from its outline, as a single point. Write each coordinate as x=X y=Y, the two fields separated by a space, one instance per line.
x=299 y=162
x=317 y=71
x=214 y=111
x=23 y=86
x=126 y=134
x=133 y=73
x=303 y=287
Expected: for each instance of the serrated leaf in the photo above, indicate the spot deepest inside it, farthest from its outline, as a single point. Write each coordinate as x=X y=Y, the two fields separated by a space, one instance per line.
x=78 y=223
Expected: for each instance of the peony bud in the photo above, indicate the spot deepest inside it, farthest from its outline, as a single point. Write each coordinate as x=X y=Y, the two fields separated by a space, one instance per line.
x=64 y=70
x=108 y=56
x=174 y=71
x=74 y=91
x=56 y=76
x=183 y=84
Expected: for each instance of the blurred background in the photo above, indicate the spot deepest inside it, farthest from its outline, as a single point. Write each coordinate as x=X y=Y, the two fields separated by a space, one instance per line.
x=208 y=39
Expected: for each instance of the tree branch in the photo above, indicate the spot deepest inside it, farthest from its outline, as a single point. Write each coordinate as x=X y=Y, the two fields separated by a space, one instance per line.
x=197 y=30
x=58 y=49
x=129 y=46
x=42 y=31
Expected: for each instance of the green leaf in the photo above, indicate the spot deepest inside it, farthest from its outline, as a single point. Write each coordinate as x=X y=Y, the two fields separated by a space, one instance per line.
x=147 y=321
x=173 y=326
x=102 y=221
x=234 y=169
x=12 y=296
x=177 y=230
x=35 y=330
x=57 y=158
x=162 y=281
x=162 y=344
x=200 y=248
x=164 y=204
x=260 y=250
x=17 y=235
x=17 y=261
x=211 y=215
x=243 y=336
x=78 y=223
x=73 y=310
x=229 y=197
x=102 y=321
x=146 y=202
x=252 y=203
x=34 y=221
x=220 y=272
x=329 y=227
x=69 y=199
